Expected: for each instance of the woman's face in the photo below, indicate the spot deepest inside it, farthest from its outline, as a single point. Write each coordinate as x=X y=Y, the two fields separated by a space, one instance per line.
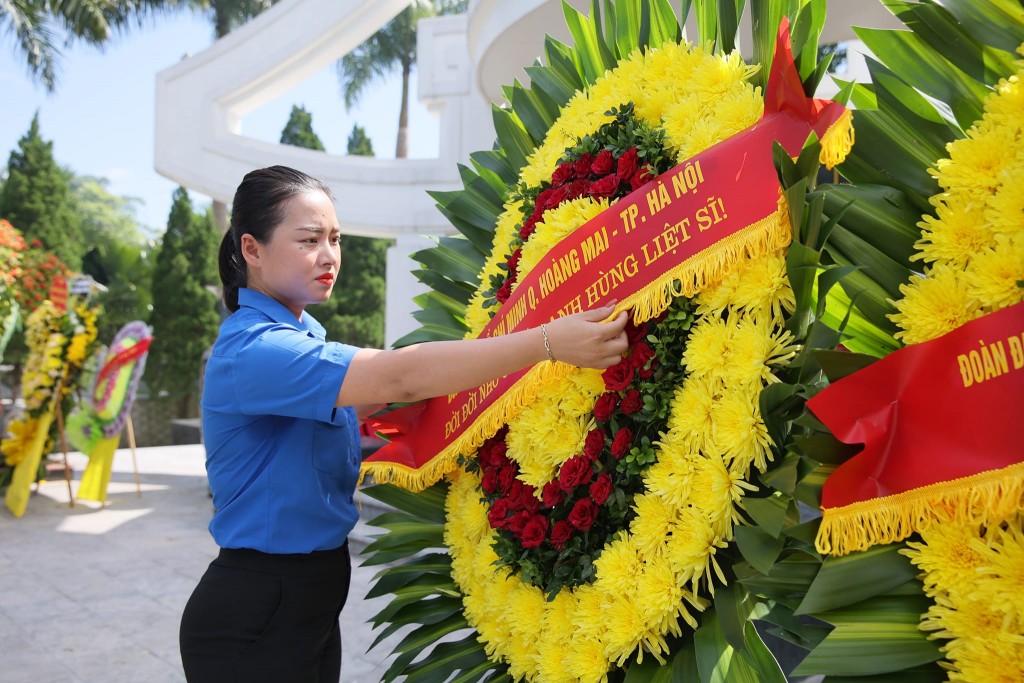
x=299 y=263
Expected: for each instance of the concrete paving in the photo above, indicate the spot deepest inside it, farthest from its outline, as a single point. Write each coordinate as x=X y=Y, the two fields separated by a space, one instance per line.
x=92 y=594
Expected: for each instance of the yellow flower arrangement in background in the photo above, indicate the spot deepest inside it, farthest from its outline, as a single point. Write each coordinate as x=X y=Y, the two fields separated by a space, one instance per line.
x=59 y=342
x=975 y=246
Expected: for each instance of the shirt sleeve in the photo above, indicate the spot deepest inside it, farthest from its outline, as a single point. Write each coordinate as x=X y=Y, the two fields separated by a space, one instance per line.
x=286 y=372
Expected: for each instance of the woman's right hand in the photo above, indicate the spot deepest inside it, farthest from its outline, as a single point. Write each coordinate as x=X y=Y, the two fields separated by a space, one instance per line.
x=583 y=340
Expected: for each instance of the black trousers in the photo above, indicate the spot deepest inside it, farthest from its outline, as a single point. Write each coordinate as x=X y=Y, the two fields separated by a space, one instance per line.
x=259 y=618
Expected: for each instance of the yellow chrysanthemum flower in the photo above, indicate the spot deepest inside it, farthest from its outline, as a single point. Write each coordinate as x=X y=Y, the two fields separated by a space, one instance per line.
x=934 y=305
x=709 y=349
x=23 y=432
x=692 y=424
x=948 y=557
x=993 y=275
x=739 y=432
x=553 y=428
x=956 y=234
x=618 y=565
x=652 y=524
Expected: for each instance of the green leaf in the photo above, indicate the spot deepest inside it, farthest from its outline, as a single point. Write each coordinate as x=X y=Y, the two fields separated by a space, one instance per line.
x=855 y=577
x=718 y=662
x=512 y=137
x=585 y=39
x=427 y=504
x=758 y=547
x=768 y=513
x=946 y=36
x=839 y=364
x=874 y=637
x=536 y=110
x=995 y=22
x=649 y=671
x=732 y=613
x=446 y=657
x=907 y=54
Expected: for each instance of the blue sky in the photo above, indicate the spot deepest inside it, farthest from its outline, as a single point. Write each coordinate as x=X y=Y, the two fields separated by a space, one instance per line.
x=100 y=119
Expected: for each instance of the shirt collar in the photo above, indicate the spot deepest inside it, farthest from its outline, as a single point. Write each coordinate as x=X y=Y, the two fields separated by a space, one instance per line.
x=277 y=312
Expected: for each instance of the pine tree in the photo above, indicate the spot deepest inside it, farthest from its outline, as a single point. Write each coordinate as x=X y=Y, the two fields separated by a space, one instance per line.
x=184 y=318
x=359 y=143
x=37 y=198
x=298 y=132
x=355 y=312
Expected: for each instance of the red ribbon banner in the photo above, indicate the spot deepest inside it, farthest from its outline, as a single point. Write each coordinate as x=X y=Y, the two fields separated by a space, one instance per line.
x=933 y=412
x=642 y=239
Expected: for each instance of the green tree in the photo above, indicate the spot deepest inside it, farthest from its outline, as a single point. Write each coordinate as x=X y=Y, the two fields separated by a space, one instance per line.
x=359 y=143
x=38 y=27
x=299 y=130
x=38 y=200
x=184 y=317
x=391 y=48
x=118 y=254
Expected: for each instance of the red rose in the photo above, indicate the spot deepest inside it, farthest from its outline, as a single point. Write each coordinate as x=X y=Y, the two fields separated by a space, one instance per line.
x=497 y=515
x=601 y=488
x=577 y=189
x=535 y=532
x=640 y=178
x=489 y=482
x=583 y=165
x=583 y=514
x=551 y=197
x=504 y=292
x=560 y=533
x=528 y=227
x=603 y=164
x=499 y=453
x=506 y=475
x=527 y=500
x=642 y=354
x=618 y=376
x=513 y=260
x=518 y=522
x=563 y=174
x=575 y=471
x=605 y=187
x=635 y=333
x=605 y=406
x=594 y=444
x=632 y=402
x=627 y=164
x=552 y=495
x=620 y=445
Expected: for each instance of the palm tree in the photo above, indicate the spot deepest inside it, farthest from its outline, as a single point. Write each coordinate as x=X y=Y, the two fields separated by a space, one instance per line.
x=392 y=47
x=39 y=26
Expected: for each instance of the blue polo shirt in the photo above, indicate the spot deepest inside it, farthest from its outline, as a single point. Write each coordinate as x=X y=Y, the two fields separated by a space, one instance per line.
x=281 y=459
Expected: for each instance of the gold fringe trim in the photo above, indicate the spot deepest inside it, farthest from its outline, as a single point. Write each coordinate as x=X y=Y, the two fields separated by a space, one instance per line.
x=837 y=141
x=986 y=498
x=709 y=267
x=702 y=270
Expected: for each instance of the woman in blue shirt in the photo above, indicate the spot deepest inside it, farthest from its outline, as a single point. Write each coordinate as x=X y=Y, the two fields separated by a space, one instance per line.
x=280 y=406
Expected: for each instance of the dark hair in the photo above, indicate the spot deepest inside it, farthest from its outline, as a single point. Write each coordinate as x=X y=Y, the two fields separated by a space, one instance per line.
x=258 y=208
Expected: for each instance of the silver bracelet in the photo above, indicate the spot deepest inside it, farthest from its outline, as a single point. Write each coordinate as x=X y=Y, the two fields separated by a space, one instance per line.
x=547 y=344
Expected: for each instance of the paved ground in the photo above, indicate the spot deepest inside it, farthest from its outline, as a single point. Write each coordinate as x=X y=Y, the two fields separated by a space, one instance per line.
x=91 y=594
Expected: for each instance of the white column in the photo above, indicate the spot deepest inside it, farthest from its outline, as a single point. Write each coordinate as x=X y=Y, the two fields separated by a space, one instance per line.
x=402 y=286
